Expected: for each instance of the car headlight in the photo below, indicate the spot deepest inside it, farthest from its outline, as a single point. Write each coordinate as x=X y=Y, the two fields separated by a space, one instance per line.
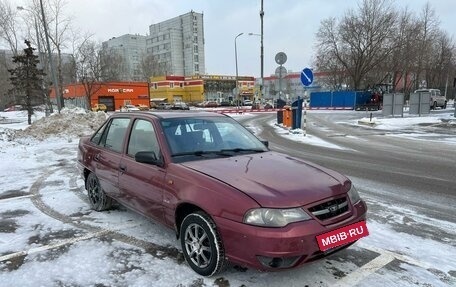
x=269 y=217
x=353 y=195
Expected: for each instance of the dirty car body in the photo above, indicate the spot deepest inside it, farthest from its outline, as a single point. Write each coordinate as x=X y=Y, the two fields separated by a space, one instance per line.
x=227 y=196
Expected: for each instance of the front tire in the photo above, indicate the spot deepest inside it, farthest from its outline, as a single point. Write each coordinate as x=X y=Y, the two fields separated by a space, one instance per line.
x=444 y=105
x=98 y=199
x=201 y=244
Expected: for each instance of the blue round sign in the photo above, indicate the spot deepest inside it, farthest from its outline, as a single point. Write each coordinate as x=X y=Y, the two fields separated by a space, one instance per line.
x=307 y=77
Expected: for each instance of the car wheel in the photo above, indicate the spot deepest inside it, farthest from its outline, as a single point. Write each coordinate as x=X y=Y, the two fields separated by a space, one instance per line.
x=444 y=106
x=97 y=197
x=201 y=244
x=434 y=106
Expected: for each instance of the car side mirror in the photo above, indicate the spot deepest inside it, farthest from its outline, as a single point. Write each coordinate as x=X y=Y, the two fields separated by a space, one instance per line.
x=148 y=157
x=266 y=143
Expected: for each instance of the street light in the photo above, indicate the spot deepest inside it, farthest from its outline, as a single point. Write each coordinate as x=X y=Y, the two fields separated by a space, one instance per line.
x=235 y=57
x=261 y=60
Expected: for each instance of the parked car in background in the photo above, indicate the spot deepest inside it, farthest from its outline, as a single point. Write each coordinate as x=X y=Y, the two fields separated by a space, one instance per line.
x=180 y=106
x=142 y=107
x=211 y=104
x=163 y=106
x=437 y=99
x=247 y=103
x=225 y=194
x=99 y=107
x=129 y=108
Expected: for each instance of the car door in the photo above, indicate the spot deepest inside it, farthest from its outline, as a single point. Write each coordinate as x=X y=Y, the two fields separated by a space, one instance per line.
x=142 y=184
x=108 y=156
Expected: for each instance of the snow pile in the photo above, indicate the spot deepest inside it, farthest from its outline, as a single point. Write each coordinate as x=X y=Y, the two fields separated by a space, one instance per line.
x=69 y=123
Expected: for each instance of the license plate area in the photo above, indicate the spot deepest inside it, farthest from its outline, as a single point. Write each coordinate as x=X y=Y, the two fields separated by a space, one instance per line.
x=341 y=236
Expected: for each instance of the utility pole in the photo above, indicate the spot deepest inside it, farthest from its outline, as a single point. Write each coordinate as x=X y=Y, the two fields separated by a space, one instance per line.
x=51 y=62
x=236 y=62
x=261 y=51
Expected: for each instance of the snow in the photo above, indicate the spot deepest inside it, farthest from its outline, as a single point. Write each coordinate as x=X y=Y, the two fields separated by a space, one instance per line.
x=37 y=194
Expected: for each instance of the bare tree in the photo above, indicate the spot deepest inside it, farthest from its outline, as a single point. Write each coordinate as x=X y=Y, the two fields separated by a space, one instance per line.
x=58 y=26
x=428 y=28
x=112 y=65
x=9 y=25
x=89 y=68
x=361 y=41
x=149 y=67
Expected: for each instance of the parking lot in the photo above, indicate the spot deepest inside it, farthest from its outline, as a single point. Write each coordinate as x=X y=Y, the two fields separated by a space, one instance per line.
x=49 y=236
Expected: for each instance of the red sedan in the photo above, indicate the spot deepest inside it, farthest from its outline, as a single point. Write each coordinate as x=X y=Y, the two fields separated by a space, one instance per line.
x=227 y=196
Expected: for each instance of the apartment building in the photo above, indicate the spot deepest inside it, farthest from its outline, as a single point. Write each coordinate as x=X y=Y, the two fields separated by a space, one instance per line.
x=131 y=48
x=177 y=45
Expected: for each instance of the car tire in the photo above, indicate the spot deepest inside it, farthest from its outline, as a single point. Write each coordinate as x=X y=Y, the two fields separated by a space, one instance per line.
x=444 y=106
x=98 y=199
x=434 y=106
x=201 y=244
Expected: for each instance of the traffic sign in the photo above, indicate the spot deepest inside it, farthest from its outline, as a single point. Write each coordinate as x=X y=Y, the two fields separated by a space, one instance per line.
x=281 y=58
x=281 y=72
x=307 y=77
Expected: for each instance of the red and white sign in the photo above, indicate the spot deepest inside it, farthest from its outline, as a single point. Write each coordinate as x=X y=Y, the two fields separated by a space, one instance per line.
x=342 y=235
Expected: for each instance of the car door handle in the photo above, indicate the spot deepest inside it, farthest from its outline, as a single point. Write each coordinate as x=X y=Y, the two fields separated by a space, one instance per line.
x=123 y=168
x=96 y=157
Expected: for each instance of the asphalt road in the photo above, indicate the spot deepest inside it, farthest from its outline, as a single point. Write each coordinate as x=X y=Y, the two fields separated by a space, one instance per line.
x=423 y=171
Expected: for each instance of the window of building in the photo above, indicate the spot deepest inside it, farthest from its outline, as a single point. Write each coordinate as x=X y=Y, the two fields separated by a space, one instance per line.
x=195 y=29
x=155 y=86
x=195 y=39
x=181 y=84
x=196 y=58
x=196 y=67
x=195 y=48
x=171 y=84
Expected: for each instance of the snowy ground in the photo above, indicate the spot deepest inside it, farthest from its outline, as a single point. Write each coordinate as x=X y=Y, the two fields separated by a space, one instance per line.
x=50 y=237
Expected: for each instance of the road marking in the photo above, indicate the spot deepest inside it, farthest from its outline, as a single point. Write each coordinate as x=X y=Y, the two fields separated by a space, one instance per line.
x=367 y=269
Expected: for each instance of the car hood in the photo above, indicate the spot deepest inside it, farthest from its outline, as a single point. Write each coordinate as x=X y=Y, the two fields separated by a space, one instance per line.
x=273 y=179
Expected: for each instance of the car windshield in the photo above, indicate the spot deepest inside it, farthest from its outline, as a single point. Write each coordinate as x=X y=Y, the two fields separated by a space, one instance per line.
x=208 y=137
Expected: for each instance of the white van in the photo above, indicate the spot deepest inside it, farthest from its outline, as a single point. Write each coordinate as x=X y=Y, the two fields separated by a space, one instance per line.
x=437 y=100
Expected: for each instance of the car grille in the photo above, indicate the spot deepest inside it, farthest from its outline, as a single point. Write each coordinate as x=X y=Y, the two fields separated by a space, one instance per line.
x=330 y=208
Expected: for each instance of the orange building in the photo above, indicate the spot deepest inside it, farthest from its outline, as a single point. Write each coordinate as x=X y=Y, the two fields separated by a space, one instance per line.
x=112 y=94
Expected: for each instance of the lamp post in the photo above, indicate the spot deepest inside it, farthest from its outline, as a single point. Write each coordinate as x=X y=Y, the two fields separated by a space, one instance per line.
x=235 y=58
x=261 y=83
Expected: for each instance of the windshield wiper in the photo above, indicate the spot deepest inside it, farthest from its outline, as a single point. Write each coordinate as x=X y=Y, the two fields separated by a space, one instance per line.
x=236 y=150
x=200 y=153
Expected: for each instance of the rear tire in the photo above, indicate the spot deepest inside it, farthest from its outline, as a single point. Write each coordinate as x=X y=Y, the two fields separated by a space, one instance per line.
x=98 y=199
x=201 y=244
x=434 y=106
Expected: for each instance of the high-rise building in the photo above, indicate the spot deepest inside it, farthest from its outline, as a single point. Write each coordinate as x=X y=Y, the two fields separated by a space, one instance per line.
x=131 y=48
x=177 y=45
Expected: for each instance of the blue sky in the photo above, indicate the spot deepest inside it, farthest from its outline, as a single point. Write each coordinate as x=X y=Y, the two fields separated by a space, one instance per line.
x=289 y=26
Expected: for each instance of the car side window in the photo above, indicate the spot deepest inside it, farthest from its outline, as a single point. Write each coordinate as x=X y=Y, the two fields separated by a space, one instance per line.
x=115 y=136
x=97 y=136
x=143 y=138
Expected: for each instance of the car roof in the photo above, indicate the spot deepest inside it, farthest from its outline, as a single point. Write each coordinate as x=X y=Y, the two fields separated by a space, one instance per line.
x=174 y=114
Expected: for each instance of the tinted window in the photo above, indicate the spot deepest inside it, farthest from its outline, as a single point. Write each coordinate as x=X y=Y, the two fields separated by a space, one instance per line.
x=116 y=133
x=142 y=138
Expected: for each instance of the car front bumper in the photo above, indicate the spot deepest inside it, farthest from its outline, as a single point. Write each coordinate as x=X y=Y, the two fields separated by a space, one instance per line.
x=280 y=248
